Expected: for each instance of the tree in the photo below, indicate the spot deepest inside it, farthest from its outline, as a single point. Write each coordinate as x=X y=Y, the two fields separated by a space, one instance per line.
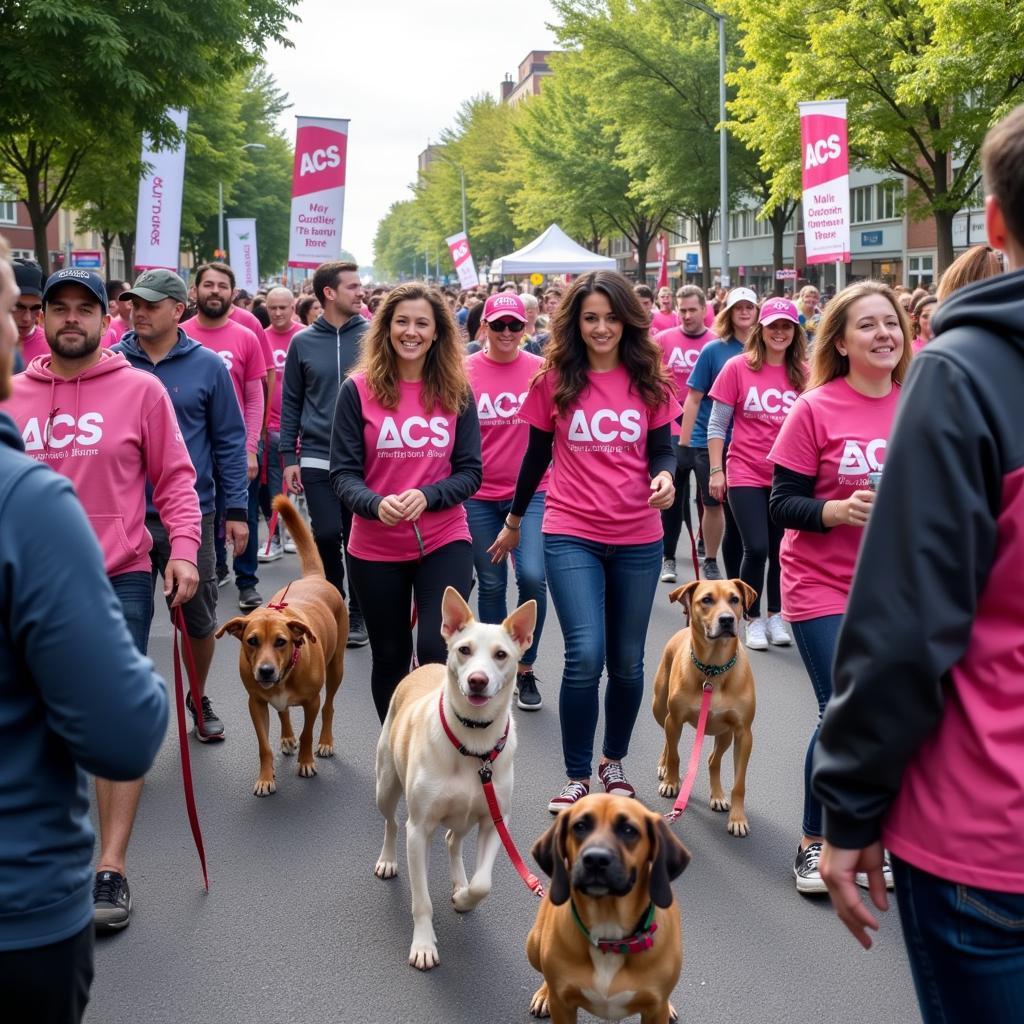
x=75 y=71
x=399 y=241
x=924 y=79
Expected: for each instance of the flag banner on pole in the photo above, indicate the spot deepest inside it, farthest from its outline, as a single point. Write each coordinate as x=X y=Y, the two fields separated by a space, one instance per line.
x=158 y=222
x=661 y=247
x=318 y=191
x=826 y=181
x=242 y=253
x=458 y=246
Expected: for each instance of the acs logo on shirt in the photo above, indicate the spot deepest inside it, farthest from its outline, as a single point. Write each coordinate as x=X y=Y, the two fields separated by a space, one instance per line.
x=605 y=426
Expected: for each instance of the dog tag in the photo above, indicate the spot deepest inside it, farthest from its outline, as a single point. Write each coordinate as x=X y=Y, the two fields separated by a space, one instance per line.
x=485 y=774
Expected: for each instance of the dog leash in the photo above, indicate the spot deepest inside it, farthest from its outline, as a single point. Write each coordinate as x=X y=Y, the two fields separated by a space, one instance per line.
x=178 y=622
x=533 y=883
x=693 y=548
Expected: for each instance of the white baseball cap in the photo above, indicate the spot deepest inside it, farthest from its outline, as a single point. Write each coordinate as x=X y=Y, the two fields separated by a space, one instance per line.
x=740 y=295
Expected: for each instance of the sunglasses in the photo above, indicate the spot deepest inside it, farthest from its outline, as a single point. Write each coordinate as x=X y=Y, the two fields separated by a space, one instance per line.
x=515 y=326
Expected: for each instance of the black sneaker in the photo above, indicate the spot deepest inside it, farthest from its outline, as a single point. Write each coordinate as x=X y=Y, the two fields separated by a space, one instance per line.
x=249 y=598
x=357 y=635
x=700 y=547
x=222 y=575
x=111 y=901
x=711 y=570
x=806 y=870
x=529 y=698
x=211 y=727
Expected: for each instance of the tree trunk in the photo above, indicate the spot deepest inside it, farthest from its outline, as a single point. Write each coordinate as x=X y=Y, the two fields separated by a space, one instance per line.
x=704 y=233
x=107 y=240
x=128 y=248
x=643 y=242
x=943 y=239
x=778 y=230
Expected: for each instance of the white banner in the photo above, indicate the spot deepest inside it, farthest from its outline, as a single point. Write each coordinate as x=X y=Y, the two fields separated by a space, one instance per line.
x=826 y=181
x=242 y=253
x=158 y=224
x=318 y=191
x=458 y=246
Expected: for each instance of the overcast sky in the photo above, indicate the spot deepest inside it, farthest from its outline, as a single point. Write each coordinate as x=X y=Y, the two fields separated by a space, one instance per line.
x=398 y=69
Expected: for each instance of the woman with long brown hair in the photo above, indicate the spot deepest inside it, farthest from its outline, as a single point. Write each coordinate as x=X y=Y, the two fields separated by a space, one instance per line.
x=405 y=455
x=601 y=404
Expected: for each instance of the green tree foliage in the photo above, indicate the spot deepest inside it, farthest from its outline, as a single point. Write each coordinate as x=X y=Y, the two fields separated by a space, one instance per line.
x=399 y=242
x=75 y=71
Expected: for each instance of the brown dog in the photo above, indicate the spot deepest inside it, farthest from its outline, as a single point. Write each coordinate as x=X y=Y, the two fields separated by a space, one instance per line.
x=291 y=646
x=711 y=642
x=607 y=937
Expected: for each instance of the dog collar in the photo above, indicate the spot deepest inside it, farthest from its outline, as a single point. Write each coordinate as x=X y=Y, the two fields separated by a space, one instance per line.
x=488 y=757
x=642 y=939
x=710 y=671
x=472 y=723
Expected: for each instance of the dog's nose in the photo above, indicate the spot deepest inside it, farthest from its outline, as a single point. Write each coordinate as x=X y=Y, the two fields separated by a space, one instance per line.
x=478 y=682
x=597 y=858
x=266 y=672
x=727 y=621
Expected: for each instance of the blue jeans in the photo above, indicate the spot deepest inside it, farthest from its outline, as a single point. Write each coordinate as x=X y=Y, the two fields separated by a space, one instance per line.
x=816 y=642
x=966 y=947
x=135 y=592
x=485 y=521
x=603 y=595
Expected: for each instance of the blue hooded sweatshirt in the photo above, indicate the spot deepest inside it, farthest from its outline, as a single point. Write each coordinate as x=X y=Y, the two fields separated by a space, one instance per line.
x=211 y=422
x=75 y=697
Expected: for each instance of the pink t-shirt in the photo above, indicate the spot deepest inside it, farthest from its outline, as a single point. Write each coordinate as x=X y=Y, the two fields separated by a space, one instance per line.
x=761 y=400
x=238 y=348
x=35 y=345
x=499 y=390
x=838 y=436
x=709 y=315
x=404 y=448
x=663 y=321
x=679 y=352
x=115 y=331
x=246 y=319
x=279 y=342
x=917 y=344
x=600 y=482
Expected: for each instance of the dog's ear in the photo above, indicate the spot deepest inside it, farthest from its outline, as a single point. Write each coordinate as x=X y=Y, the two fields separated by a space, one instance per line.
x=455 y=613
x=236 y=627
x=521 y=623
x=300 y=630
x=748 y=595
x=549 y=853
x=668 y=860
x=684 y=595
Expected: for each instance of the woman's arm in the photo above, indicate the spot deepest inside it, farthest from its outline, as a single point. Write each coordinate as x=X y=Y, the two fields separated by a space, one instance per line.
x=466 y=462
x=718 y=431
x=348 y=456
x=531 y=472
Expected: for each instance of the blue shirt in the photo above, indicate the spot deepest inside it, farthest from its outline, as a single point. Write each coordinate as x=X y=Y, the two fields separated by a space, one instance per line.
x=713 y=356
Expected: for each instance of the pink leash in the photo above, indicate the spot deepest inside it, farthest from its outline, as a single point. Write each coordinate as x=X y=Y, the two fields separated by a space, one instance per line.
x=691 y=769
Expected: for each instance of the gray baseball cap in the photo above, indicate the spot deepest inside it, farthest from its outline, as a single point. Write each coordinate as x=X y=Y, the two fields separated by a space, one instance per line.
x=155 y=286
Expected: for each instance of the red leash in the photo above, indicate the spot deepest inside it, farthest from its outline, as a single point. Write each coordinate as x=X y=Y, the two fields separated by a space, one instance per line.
x=691 y=769
x=693 y=551
x=533 y=883
x=197 y=702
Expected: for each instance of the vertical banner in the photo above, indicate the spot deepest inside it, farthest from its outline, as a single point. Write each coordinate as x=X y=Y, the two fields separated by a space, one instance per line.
x=826 y=181
x=661 y=248
x=458 y=246
x=242 y=253
x=318 y=191
x=158 y=222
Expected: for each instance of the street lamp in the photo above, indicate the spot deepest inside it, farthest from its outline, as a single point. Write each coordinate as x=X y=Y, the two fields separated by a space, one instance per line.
x=256 y=147
x=723 y=158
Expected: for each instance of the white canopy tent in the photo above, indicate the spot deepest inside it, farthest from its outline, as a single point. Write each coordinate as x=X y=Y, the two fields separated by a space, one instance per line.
x=553 y=252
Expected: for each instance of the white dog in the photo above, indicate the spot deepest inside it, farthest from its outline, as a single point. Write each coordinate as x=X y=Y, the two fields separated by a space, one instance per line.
x=442 y=785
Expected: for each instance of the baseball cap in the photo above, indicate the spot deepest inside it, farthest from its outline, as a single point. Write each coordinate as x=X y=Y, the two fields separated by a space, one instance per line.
x=155 y=286
x=778 y=309
x=29 y=276
x=740 y=295
x=76 y=275
x=504 y=304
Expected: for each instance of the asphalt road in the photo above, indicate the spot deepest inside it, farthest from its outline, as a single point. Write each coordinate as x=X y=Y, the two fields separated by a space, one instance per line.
x=296 y=927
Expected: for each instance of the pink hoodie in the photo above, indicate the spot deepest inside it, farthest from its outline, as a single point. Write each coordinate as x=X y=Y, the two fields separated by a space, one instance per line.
x=110 y=431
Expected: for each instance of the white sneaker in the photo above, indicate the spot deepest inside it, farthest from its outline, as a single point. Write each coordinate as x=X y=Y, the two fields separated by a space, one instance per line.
x=272 y=554
x=757 y=637
x=861 y=877
x=289 y=544
x=777 y=633
x=668 y=570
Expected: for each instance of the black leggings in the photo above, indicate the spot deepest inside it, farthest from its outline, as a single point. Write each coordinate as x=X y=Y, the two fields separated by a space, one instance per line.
x=386 y=591
x=331 y=523
x=48 y=984
x=761 y=540
x=673 y=518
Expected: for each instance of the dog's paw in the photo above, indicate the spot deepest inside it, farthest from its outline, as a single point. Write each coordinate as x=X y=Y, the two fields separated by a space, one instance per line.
x=264 y=787
x=325 y=750
x=423 y=956
x=307 y=771
x=385 y=869
x=720 y=803
x=669 y=789
x=739 y=827
x=289 y=744
x=661 y=771
x=673 y=1016
x=539 y=1005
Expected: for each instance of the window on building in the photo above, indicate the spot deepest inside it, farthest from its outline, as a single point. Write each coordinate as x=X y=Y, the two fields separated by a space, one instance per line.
x=921 y=272
x=889 y=193
x=22 y=254
x=8 y=208
x=860 y=204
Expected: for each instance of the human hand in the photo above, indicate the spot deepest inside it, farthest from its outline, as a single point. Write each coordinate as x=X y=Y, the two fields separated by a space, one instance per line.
x=391 y=510
x=252 y=466
x=414 y=504
x=181 y=578
x=663 y=491
x=716 y=486
x=839 y=870
x=293 y=479
x=237 y=535
x=506 y=542
x=854 y=511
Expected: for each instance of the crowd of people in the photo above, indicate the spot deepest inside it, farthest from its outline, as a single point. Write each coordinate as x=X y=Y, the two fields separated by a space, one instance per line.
x=435 y=434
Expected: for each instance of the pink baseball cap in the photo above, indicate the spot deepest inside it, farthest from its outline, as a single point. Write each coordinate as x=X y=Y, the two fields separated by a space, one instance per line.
x=504 y=304
x=778 y=309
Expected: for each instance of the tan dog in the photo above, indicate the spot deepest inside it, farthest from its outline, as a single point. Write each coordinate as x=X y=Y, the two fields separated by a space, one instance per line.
x=291 y=647
x=442 y=784
x=611 y=863
x=715 y=609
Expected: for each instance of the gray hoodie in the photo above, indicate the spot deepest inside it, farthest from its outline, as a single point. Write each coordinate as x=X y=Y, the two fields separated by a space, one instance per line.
x=319 y=359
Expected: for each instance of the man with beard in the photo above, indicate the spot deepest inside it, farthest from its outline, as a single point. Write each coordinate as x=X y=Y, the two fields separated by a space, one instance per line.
x=241 y=352
x=112 y=432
